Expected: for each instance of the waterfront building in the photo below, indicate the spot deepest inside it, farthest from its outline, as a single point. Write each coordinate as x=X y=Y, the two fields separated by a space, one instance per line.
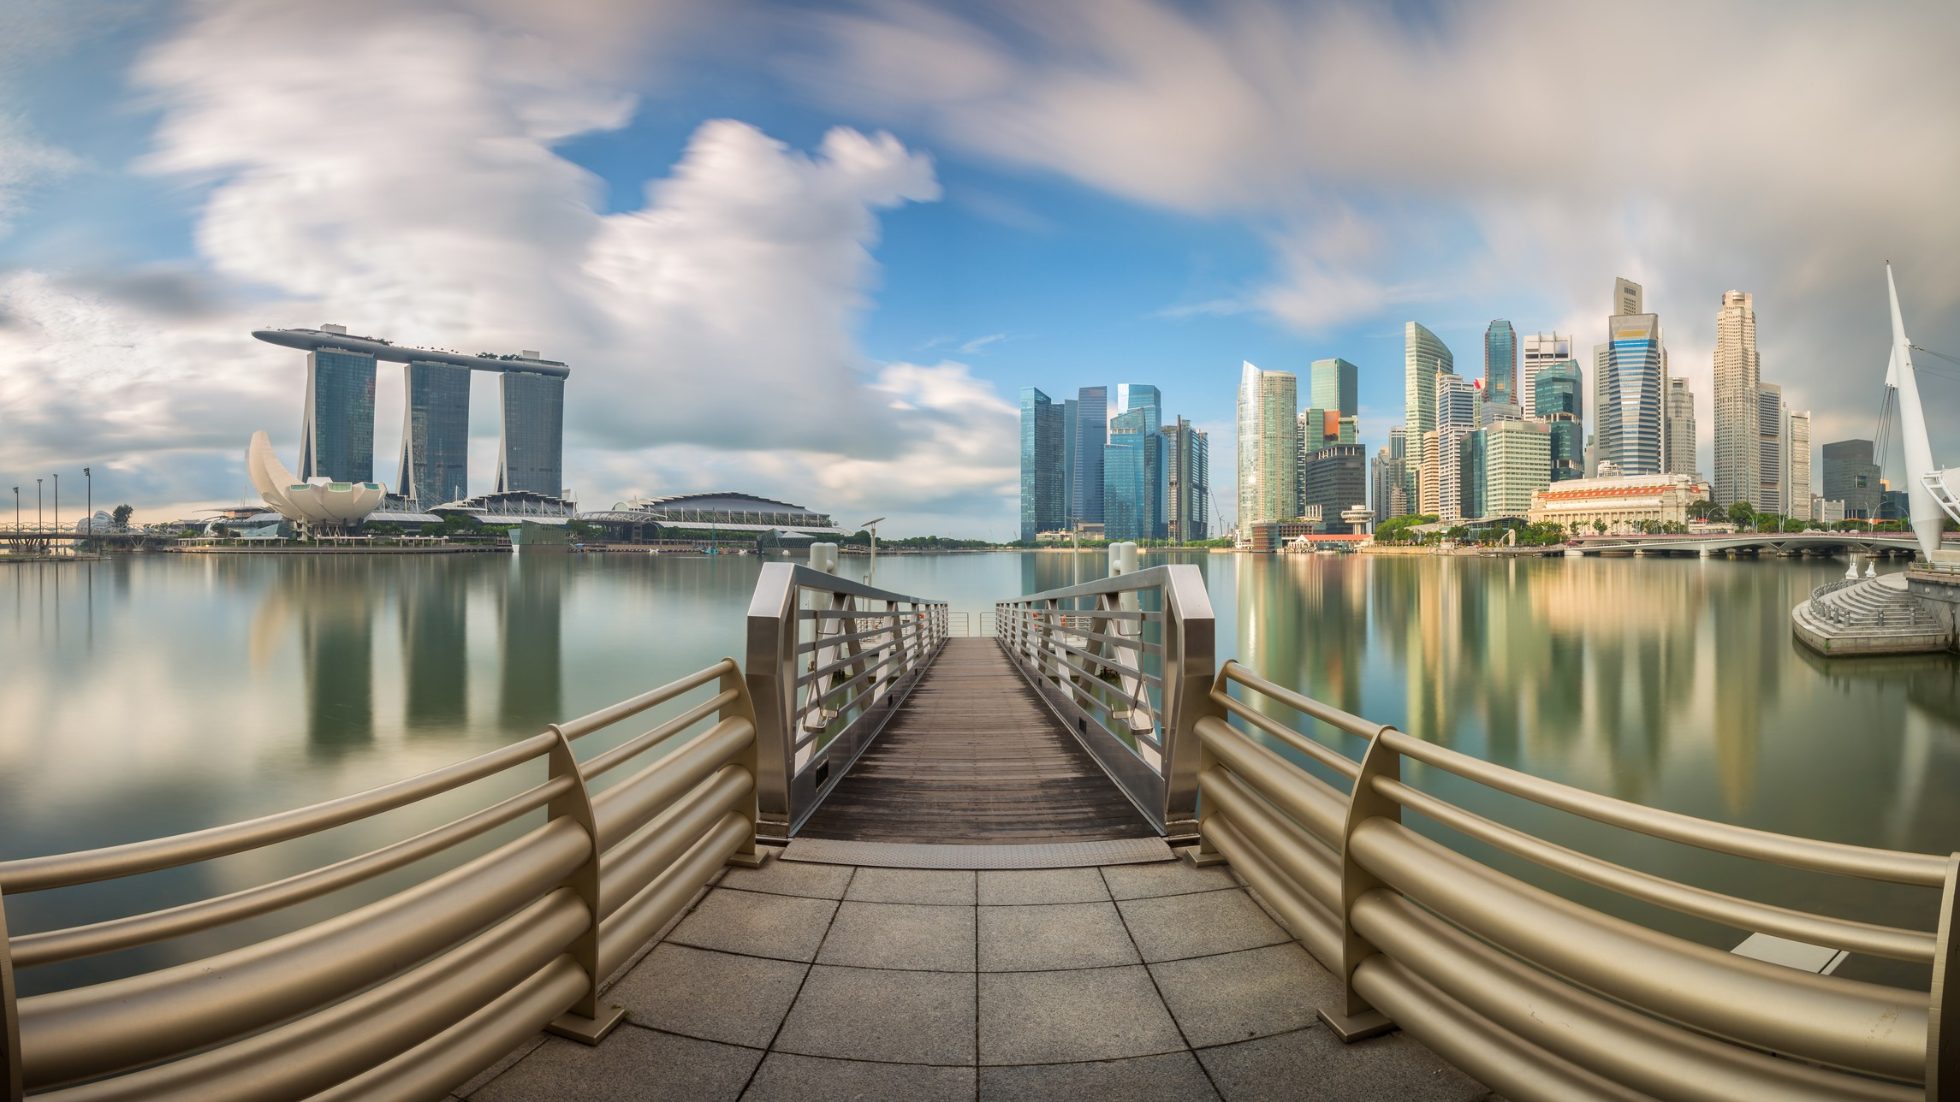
x=1630 y=376
x=435 y=434
x=1071 y=418
x=1187 y=497
x=720 y=513
x=531 y=453
x=1350 y=429
x=1475 y=466
x=1894 y=505
x=1680 y=436
x=1041 y=464
x=336 y=435
x=1335 y=385
x=1424 y=357
x=1141 y=396
x=1441 y=487
x=1796 y=464
x=1619 y=503
x=1567 y=444
x=1268 y=445
x=1091 y=435
x=1130 y=484
x=1851 y=477
x=1456 y=401
x=1148 y=402
x=1827 y=512
x=1517 y=461
x=1541 y=350
x=1491 y=412
x=1738 y=384
x=1769 y=442
x=1336 y=480
x=1500 y=362
x=1386 y=477
x=1556 y=389
x=1268 y=537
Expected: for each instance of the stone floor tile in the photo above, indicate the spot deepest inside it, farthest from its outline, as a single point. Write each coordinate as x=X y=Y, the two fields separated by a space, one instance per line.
x=1053 y=935
x=1086 y=1014
x=632 y=1065
x=1394 y=1068
x=786 y=1077
x=1165 y=878
x=883 y=1014
x=953 y=887
x=502 y=1065
x=1023 y=886
x=1174 y=926
x=1239 y=996
x=1173 y=1077
x=714 y=996
x=900 y=935
x=780 y=877
x=781 y=926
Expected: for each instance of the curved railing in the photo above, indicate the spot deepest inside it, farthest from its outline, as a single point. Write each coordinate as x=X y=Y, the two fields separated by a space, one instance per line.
x=1536 y=994
x=410 y=994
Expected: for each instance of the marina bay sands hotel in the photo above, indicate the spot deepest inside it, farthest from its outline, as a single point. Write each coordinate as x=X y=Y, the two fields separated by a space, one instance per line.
x=337 y=435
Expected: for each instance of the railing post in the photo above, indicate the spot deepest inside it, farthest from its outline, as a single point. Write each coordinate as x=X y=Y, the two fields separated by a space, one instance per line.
x=1189 y=669
x=1943 y=1015
x=12 y=1086
x=742 y=707
x=1356 y=1019
x=587 y=1021
x=770 y=670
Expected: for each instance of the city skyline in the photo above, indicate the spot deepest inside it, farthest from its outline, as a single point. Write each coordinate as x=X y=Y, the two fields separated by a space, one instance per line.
x=805 y=255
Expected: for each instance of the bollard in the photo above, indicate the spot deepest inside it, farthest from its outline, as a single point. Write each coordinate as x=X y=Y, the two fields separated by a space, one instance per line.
x=823 y=556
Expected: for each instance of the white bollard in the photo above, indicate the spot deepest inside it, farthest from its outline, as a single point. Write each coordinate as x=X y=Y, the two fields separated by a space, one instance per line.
x=1852 y=570
x=823 y=556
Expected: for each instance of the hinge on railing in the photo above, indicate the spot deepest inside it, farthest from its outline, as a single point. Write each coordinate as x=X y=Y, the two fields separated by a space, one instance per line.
x=587 y=1021
x=1356 y=1020
x=11 y=1077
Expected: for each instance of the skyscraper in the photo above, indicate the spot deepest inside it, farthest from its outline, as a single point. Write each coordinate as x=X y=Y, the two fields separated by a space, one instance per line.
x=1456 y=401
x=1336 y=480
x=1268 y=447
x=1769 y=441
x=1797 y=484
x=1568 y=447
x=336 y=438
x=1541 y=350
x=531 y=455
x=1041 y=464
x=1629 y=380
x=1517 y=461
x=435 y=434
x=1130 y=486
x=1187 y=456
x=1091 y=434
x=1850 y=476
x=1385 y=486
x=1500 y=363
x=1738 y=380
x=1680 y=434
x=1556 y=389
x=1335 y=385
x=1071 y=415
x=1441 y=483
x=1141 y=396
x=1424 y=356
x=1628 y=297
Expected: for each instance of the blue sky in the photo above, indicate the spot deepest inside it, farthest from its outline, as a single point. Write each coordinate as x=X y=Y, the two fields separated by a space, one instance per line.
x=812 y=251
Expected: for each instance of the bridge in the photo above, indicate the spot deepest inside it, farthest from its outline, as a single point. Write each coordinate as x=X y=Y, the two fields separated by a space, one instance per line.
x=1899 y=544
x=1077 y=857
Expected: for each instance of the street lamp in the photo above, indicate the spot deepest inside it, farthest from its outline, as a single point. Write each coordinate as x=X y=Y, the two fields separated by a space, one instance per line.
x=37 y=505
x=57 y=503
x=871 y=526
x=88 y=509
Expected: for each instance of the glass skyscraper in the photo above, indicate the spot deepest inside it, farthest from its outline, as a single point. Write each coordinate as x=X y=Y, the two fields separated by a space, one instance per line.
x=1187 y=501
x=1091 y=434
x=531 y=456
x=1334 y=385
x=1680 y=433
x=336 y=436
x=1269 y=446
x=1424 y=356
x=1541 y=350
x=1335 y=479
x=1501 y=363
x=1130 y=476
x=1071 y=415
x=1557 y=390
x=1630 y=384
x=435 y=434
x=1041 y=464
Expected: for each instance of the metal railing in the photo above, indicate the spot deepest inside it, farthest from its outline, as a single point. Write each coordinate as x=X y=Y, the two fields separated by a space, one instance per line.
x=1125 y=662
x=829 y=662
x=409 y=994
x=1538 y=995
x=971 y=624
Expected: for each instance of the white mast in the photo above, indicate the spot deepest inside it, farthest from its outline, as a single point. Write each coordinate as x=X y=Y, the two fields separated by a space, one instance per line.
x=1924 y=509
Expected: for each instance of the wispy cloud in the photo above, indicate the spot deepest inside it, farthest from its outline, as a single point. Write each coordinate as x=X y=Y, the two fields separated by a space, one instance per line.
x=976 y=344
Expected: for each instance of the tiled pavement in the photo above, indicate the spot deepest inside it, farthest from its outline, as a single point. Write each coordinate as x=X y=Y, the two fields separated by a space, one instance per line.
x=815 y=982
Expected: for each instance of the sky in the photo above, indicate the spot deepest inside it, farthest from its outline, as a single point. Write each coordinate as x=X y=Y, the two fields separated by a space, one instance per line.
x=813 y=251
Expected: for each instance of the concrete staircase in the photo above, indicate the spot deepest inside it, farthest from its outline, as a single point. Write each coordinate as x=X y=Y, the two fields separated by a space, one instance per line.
x=1869 y=616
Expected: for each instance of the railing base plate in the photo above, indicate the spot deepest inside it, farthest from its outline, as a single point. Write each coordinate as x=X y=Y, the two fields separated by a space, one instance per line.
x=751 y=860
x=586 y=1030
x=1357 y=1027
x=1192 y=855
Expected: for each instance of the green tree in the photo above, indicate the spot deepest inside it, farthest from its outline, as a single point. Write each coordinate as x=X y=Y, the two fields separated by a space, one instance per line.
x=1703 y=509
x=120 y=516
x=1741 y=513
x=1599 y=527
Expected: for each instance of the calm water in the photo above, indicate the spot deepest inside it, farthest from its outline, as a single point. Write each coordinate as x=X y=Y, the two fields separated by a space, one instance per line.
x=155 y=694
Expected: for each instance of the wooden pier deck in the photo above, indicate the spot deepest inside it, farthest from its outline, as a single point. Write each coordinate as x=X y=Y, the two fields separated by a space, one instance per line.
x=974 y=756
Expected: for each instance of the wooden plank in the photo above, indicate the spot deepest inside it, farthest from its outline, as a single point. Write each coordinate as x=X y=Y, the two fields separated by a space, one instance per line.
x=974 y=756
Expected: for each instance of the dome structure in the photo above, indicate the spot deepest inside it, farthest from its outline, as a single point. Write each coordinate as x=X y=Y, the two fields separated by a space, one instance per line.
x=316 y=502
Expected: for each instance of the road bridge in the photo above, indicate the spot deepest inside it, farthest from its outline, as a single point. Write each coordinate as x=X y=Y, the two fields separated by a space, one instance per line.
x=1900 y=544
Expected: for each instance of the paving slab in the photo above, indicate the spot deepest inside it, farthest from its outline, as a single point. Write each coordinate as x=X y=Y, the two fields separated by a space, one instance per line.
x=900 y=935
x=791 y=878
x=713 y=996
x=1239 y=996
x=786 y=1077
x=1394 y=1068
x=883 y=1014
x=950 y=887
x=1082 y=1014
x=1053 y=935
x=632 y=1065
x=503 y=1064
x=781 y=926
x=1166 y=878
x=1173 y=1077
x=1007 y=887
x=1176 y=926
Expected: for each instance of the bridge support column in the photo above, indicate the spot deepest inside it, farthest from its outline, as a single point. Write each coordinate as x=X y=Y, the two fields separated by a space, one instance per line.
x=1703 y=553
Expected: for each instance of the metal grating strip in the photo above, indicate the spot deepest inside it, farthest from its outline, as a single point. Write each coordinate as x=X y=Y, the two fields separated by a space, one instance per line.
x=911 y=855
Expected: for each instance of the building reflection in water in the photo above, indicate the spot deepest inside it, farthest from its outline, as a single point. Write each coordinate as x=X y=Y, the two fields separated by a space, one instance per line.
x=336 y=635
x=433 y=610
x=532 y=686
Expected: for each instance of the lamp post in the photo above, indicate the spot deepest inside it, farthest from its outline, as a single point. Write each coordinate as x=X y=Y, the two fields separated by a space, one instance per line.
x=16 y=511
x=38 y=528
x=871 y=526
x=88 y=508
x=57 y=511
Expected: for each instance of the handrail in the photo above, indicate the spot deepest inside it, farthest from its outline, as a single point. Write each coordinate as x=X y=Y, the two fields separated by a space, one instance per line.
x=515 y=939
x=829 y=662
x=1537 y=994
x=1124 y=662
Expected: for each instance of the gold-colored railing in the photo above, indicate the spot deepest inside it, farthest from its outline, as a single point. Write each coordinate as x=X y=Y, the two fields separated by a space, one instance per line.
x=409 y=994
x=1538 y=995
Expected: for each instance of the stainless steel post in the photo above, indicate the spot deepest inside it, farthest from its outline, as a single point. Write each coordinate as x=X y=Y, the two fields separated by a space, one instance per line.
x=1357 y=1020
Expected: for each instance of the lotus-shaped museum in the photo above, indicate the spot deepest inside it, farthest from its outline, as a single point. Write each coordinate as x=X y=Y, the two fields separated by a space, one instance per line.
x=315 y=502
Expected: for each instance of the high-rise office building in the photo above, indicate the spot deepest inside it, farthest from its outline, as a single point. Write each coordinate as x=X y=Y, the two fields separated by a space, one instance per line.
x=1556 y=389
x=531 y=455
x=1071 y=418
x=1336 y=386
x=1628 y=297
x=1796 y=465
x=1041 y=464
x=1500 y=363
x=1424 y=356
x=1441 y=479
x=1141 y=396
x=1091 y=435
x=1336 y=480
x=1385 y=486
x=1517 y=462
x=1850 y=476
x=1269 y=444
x=435 y=434
x=1130 y=484
x=1680 y=435
x=1456 y=401
x=1474 y=459
x=1630 y=377
x=1187 y=458
x=1568 y=446
x=1541 y=350
x=1769 y=442
x=1738 y=381
x=336 y=437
